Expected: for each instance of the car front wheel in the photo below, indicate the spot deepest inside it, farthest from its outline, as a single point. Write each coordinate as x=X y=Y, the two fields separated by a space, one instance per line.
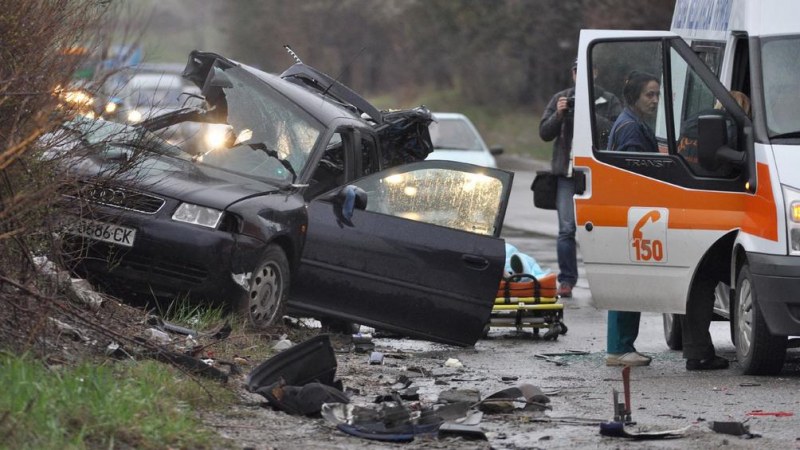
x=758 y=351
x=265 y=300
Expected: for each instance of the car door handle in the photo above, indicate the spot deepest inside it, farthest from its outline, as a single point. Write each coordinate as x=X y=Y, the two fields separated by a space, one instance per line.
x=475 y=262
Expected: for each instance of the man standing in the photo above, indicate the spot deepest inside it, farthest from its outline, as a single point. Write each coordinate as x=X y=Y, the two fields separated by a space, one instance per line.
x=557 y=123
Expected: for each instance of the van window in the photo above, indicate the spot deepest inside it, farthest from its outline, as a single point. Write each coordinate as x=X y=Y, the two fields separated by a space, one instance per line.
x=781 y=74
x=665 y=92
x=710 y=53
x=616 y=75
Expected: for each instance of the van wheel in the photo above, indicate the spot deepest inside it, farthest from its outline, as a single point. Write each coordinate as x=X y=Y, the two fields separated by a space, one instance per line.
x=758 y=351
x=265 y=300
x=673 y=333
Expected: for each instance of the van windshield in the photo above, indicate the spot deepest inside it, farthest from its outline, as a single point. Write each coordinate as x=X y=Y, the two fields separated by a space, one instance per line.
x=781 y=69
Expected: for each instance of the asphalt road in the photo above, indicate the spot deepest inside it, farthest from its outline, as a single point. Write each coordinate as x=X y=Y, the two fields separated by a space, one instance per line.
x=664 y=395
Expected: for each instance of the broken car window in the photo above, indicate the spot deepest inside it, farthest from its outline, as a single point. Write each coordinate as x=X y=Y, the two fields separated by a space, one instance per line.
x=268 y=120
x=449 y=198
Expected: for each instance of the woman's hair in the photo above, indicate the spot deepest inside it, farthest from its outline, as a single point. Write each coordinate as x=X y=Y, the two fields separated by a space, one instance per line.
x=634 y=85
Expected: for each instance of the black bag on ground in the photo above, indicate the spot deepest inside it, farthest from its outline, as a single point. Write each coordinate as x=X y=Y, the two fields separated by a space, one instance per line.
x=544 y=188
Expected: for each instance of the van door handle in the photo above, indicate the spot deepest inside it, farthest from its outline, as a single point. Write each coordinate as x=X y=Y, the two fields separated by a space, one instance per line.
x=475 y=262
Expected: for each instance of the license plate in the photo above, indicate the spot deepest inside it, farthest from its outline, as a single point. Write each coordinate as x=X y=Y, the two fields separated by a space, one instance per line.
x=101 y=231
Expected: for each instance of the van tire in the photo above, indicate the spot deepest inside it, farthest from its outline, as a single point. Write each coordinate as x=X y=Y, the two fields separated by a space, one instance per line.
x=265 y=300
x=758 y=351
x=673 y=333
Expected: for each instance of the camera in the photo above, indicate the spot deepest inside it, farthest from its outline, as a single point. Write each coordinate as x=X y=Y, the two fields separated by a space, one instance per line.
x=571 y=102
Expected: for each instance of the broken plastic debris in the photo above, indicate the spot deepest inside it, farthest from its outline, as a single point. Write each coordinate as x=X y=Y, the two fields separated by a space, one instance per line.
x=282 y=344
x=157 y=336
x=454 y=363
x=760 y=412
x=617 y=429
x=376 y=358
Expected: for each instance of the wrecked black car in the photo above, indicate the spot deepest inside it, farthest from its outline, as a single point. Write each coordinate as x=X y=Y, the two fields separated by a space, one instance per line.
x=311 y=187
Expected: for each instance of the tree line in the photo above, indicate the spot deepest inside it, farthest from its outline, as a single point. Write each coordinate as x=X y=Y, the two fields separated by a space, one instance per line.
x=506 y=53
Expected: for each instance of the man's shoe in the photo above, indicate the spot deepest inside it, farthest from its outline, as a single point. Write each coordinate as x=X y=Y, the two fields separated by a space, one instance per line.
x=715 y=363
x=565 y=290
x=627 y=359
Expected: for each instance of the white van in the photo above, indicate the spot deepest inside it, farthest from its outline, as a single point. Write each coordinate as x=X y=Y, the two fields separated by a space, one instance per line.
x=716 y=209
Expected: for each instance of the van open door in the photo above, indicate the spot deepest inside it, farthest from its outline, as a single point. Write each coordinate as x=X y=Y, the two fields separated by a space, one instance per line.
x=650 y=215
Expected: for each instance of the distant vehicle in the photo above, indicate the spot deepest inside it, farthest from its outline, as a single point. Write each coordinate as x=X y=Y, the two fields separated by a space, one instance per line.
x=314 y=188
x=148 y=90
x=455 y=138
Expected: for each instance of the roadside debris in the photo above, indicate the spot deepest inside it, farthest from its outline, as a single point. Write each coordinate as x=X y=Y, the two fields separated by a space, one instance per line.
x=733 y=428
x=555 y=360
x=157 y=336
x=453 y=363
x=282 y=344
x=300 y=379
x=532 y=398
x=617 y=429
x=759 y=412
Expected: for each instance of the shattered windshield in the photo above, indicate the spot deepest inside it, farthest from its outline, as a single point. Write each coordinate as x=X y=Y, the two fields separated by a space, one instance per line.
x=271 y=136
x=781 y=74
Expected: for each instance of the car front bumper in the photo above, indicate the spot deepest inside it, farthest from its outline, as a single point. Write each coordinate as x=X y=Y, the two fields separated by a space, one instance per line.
x=168 y=257
x=777 y=284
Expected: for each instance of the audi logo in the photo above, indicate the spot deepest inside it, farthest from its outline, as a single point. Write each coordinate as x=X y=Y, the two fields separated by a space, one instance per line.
x=106 y=195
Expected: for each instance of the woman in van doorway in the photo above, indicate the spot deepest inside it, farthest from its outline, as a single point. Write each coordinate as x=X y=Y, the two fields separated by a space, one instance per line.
x=631 y=133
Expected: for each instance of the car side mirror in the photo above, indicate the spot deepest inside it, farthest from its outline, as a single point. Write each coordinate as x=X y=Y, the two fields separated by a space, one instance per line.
x=712 y=144
x=348 y=199
x=496 y=150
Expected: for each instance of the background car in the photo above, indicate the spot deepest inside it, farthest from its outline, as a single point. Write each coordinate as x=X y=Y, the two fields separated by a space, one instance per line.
x=455 y=138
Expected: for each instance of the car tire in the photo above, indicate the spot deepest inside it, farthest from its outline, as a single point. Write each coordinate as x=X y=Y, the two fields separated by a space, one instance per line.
x=265 y=300
x=673 y=333
x=757 y=350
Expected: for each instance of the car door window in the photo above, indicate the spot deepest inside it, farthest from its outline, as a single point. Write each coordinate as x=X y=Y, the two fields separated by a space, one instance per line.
x=462 y=200
x=330 y=171
x=370 y=162
x=684 y=96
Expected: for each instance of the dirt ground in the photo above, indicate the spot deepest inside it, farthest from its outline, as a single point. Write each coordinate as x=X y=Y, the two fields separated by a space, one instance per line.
x=579 y=392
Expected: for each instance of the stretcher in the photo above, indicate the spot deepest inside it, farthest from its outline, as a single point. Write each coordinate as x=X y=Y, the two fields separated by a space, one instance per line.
x=524 y=301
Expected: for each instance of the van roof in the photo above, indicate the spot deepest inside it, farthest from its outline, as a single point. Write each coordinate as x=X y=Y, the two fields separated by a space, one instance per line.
x=714 y=19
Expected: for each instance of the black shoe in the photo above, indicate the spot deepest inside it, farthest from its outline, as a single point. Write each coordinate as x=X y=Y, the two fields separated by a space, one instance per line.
x=715 y=363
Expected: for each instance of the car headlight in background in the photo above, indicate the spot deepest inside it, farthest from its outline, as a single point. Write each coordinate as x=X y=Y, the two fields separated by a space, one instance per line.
x=198 y=215
x=216 y=135
x=110 y=108
x=134 y=116
x=792 y=199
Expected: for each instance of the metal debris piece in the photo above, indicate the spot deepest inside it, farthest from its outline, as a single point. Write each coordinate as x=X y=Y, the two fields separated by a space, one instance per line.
x=375 y=358
x=550 y=359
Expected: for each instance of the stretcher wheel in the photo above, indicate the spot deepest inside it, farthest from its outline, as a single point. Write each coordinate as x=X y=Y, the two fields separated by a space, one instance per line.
x=563 y=329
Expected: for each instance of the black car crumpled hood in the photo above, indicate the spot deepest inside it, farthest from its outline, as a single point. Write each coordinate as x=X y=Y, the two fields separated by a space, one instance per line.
x=194 y=183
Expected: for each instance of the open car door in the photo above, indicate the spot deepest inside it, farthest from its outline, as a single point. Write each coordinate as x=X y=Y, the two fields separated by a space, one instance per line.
x=647 y=220
x=423 y=258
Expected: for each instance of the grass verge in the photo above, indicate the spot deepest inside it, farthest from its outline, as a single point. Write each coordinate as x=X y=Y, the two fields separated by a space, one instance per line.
x=144 y=405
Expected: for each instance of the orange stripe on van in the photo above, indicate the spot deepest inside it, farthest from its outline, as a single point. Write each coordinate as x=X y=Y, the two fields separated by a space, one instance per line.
x=688 y=208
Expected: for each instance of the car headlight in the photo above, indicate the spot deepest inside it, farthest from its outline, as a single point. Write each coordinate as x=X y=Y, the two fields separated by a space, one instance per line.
x=792 y=198
x=111 y=108
x=134 y=116
x=198 y=215
x=216 y=135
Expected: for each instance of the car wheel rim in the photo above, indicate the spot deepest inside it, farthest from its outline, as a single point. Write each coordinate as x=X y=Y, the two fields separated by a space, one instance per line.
x=265 y=293
x=744 y=317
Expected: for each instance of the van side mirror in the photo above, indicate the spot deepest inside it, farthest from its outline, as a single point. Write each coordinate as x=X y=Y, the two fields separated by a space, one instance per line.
x=496 y=150
x=712 y=144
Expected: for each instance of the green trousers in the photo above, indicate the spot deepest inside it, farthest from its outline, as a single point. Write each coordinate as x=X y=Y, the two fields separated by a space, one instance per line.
x=622 y=330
